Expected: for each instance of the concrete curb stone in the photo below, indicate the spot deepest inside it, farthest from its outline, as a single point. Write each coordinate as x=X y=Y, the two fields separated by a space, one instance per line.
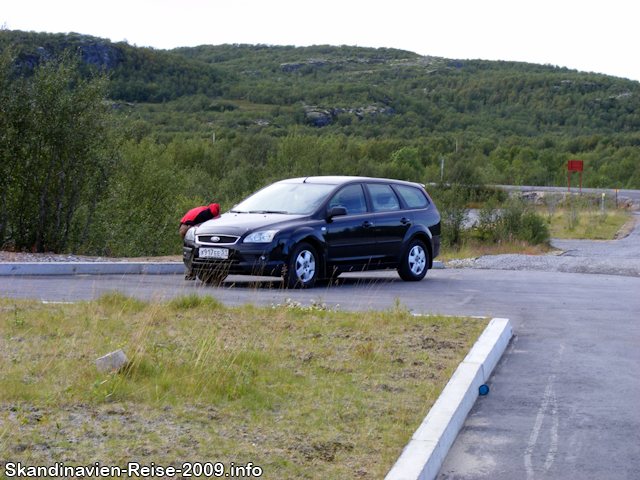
x=423 y=456
x=91 y=268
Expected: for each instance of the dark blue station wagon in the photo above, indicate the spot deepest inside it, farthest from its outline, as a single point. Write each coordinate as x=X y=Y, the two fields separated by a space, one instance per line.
x=305 y=229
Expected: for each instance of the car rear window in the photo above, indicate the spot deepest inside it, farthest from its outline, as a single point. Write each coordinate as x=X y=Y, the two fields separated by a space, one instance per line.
x=413 y=197
x=384 y=198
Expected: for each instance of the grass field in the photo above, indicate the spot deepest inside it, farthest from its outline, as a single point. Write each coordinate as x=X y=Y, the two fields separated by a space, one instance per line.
x=588 y=225
x=301 y=392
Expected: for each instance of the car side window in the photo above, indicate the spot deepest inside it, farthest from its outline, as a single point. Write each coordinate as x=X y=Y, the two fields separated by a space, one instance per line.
x=352 y=198
x=384 y=198
x=412 y=196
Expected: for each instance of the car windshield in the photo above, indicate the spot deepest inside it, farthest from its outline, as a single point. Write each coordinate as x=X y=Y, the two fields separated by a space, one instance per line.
x=288 y=198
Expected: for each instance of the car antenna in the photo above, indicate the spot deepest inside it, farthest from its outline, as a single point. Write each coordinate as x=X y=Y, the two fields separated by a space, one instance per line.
x=305 y=180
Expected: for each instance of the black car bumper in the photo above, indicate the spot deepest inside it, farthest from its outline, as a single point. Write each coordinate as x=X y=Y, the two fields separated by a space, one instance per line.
x=240 y=262
x=435 y=245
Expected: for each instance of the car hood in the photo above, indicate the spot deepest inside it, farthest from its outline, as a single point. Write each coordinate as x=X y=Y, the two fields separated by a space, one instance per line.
x=240 y=223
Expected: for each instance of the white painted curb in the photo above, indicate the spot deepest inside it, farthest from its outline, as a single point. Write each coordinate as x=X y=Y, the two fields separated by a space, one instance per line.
x=91 y=268
x=422 y=458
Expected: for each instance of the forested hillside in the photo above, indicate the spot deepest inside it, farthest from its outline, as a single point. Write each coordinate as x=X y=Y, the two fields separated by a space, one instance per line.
x=279 y=111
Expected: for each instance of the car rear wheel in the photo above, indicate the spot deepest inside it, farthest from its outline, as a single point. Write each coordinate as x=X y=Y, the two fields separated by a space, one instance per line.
x=415 y=261
x=302 y=270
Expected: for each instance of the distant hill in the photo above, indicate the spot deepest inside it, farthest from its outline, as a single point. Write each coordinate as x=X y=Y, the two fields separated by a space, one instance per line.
x=517 y=98
x=138 y=74
x=509 y=121
x=503 y=97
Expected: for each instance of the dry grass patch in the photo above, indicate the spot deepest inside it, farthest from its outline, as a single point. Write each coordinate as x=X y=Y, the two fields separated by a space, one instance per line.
x=301 y=392
x=589 y=225
x=473 y=248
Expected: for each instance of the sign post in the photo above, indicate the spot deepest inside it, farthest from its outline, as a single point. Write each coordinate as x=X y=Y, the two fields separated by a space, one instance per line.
x=574 y=166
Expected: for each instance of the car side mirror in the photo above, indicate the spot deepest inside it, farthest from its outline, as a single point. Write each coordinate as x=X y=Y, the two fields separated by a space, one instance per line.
x=336 y=211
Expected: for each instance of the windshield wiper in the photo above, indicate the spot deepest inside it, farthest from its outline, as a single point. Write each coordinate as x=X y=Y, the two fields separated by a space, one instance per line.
x=267 y=211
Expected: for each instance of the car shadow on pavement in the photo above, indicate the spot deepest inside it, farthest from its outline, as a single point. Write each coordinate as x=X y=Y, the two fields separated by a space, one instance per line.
x=363 y=279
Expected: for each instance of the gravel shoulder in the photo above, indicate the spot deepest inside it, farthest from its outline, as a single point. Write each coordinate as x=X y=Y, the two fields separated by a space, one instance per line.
x=608 y=257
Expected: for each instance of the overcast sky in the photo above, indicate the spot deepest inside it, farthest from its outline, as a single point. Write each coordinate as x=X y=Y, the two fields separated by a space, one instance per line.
x=597 y=37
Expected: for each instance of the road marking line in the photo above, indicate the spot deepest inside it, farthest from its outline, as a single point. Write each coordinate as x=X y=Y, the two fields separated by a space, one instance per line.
x=538 y=425
x=553 y=448
x=549 y=397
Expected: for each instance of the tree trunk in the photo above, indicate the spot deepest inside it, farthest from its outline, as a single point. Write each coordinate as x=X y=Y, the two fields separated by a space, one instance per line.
x=44 y=210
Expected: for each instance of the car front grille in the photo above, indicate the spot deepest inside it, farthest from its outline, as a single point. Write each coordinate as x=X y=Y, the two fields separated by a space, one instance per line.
x=221 y=239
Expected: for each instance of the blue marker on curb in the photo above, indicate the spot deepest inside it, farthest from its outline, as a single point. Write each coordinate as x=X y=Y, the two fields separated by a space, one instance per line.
x=484 y=389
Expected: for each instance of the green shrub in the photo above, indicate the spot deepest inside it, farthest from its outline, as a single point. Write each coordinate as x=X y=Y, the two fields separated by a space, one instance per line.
x=533 y=228
x=487 y=227
x=451 y=202
x=515 y=221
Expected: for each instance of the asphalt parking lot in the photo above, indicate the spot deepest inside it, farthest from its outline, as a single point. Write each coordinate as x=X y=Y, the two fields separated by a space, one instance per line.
x=564 y=398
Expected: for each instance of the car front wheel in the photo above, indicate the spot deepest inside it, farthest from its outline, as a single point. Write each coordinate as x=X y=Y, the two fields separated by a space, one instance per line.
x=302 y=269
x=415 y=261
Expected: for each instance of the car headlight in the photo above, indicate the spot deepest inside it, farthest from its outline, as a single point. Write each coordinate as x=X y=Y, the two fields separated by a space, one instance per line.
x=261 y=237
x=191 y=234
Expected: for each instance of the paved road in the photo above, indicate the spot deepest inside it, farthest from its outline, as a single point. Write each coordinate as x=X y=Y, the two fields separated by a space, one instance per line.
x=634 y=195
x=565 y=399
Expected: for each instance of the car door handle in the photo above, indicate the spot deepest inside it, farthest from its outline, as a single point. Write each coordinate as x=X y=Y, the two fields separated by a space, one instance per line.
x=367 y=224
x=405 y=221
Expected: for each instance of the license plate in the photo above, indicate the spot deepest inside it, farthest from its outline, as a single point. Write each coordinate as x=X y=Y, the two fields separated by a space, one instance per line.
x=222 y=253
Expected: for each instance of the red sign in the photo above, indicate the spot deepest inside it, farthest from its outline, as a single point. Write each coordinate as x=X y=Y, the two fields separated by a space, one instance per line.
x=574 y=165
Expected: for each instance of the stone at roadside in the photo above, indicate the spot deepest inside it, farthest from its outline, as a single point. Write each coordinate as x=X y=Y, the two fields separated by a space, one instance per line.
x=112 y=362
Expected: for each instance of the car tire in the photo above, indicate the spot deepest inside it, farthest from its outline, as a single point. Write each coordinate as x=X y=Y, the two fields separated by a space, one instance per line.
x=303 y=267
x=415 y=262
x=211 y=277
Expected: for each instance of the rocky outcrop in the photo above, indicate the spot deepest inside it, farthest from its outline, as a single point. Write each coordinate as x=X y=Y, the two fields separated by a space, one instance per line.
x=291 y=67
x=356 y=63
x=321 y=117
x=100 y=54
x=93 y=51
